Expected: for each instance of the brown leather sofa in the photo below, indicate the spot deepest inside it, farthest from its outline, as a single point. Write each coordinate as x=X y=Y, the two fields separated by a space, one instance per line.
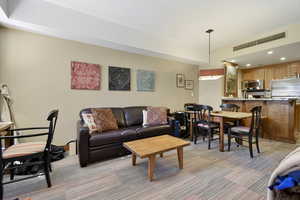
x=96 y=147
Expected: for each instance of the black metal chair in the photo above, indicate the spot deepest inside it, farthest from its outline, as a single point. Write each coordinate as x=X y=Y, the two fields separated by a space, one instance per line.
x=241 y=132
x=204 y=125
x=29 y=150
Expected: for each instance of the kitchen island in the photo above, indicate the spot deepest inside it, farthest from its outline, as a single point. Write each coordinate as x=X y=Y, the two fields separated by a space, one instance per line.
x=281 y=116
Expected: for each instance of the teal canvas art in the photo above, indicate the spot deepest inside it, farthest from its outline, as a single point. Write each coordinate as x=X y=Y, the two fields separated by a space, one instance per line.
x=145 y=80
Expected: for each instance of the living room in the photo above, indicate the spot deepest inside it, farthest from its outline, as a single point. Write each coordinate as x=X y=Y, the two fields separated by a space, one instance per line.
x=157 y=57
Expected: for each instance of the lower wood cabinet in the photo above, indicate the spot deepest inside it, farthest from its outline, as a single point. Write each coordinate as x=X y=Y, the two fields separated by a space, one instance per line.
x=280 y=119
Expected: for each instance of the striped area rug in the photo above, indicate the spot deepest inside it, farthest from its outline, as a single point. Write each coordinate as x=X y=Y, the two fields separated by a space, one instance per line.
x=207 y=175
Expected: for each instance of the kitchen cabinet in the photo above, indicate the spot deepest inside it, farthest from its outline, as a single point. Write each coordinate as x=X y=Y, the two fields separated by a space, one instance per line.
x=271 y=72
x=294 y=68
x=268 y=77
x=253 y=74
x=280 y=118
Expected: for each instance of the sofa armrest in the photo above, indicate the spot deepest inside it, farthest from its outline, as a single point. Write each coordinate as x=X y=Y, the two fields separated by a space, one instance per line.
x=83 y=143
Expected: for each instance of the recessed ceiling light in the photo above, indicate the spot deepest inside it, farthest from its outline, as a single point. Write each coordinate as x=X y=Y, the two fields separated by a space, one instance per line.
x=248 y=65
x=283 y=58
x=233 y=61
x=270 y=52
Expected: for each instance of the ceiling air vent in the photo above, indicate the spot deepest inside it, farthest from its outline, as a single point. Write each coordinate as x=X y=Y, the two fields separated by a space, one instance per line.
x=260 y=41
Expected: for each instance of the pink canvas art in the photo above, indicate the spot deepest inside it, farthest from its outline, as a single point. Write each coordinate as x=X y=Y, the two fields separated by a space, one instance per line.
x=85 y=76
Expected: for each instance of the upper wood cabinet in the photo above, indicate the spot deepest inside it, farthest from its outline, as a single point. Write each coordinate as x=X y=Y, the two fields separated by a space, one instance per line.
x=268 y=77
x=253 y=74
x=294 y=68
x=271 y=72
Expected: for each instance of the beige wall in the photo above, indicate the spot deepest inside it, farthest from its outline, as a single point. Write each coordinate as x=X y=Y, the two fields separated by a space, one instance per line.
x=37 y=70
x=211 y=92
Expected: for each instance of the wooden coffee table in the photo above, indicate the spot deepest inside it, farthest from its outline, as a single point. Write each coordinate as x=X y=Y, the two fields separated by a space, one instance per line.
x=150 y=147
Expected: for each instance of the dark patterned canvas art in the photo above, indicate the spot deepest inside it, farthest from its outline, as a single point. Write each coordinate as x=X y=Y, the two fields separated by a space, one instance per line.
x=119 y=78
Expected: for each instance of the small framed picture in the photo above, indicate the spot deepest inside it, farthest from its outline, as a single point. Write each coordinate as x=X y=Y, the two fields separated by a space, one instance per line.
x=180 y=80
x=189 y=84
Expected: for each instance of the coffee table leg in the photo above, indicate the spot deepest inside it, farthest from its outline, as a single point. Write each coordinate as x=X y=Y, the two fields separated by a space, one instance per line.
x=180 y=157
x=133 y=159
x=161 y=155
x=151 y=166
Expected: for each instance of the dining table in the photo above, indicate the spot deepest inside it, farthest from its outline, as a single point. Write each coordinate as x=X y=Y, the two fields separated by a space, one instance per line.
x=220 y=117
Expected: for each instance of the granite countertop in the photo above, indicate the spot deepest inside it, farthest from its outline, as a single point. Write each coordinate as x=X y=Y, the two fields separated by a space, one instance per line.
x=260 y=99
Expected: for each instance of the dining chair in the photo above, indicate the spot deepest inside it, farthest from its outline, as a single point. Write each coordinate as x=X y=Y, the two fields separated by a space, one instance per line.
x=242 y=133
x=188 y=106
x=27 y=151
x=231 y=108
x=204 y=125
x=188 y=116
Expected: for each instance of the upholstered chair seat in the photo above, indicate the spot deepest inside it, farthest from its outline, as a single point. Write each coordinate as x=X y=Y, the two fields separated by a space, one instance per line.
x=24 y=149
x=206 y=126
x=240 y=130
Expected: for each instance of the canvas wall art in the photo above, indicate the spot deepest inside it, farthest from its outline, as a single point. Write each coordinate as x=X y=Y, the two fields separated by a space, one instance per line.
x=119 y=78
x=145 y=80
x=85 y=76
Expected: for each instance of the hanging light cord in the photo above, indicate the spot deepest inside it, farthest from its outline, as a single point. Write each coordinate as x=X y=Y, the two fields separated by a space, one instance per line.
x=209 y=31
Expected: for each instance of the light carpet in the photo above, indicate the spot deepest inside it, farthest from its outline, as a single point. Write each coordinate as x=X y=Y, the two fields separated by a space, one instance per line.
x=207 y=175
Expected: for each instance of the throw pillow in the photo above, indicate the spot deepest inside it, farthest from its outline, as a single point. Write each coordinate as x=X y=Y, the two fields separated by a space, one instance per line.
x=89 y=122
x=104 y=119
x=156 y=116
x=145 y=121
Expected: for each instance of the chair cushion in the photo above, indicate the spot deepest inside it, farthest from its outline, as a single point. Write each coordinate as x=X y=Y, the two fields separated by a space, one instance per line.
x=205 y=125
x=240 y=129
x=24 y=149
x=229 y=124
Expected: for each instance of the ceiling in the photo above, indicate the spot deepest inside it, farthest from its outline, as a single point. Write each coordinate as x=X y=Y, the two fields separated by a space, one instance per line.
x=290 y=52
x=172 y=29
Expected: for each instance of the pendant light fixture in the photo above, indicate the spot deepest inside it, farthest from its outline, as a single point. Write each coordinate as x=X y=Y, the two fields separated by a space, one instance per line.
x=209 y=31
x=210 y=74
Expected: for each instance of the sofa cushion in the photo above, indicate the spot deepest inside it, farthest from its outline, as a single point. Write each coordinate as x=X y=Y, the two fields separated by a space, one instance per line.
x=97 y=139
x=130 y=133
x=89 y=122
x=152 y=131
x=118 y=113
x=115 y=136
x=104 y=119
x=155 y=116
x=134 y=115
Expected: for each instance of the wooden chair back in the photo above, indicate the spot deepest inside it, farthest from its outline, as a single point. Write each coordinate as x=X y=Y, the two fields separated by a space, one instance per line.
x=255 y=120
x=230 y=107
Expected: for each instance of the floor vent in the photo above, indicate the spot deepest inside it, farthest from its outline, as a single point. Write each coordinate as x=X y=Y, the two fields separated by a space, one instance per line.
x=260 y=41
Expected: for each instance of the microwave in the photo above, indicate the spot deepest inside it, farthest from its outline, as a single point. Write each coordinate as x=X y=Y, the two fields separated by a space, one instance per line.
x=253 y=85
